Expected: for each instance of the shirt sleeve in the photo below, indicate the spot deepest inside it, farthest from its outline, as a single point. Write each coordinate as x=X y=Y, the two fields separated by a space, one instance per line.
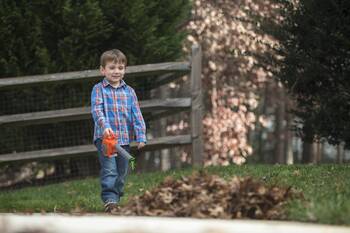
x=97 y=110
x=137 y=118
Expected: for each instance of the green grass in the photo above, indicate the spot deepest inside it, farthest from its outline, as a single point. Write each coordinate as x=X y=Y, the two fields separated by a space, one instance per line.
x=326 y=190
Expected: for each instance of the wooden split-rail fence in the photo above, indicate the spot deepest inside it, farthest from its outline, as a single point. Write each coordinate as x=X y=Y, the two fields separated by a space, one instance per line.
x=164 y=72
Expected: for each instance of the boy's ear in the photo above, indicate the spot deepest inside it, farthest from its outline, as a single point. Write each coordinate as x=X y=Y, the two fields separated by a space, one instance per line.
x=102 y=70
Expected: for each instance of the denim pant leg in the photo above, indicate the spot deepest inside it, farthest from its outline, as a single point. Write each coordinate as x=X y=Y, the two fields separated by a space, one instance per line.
x=122 y=169
x=112 y=174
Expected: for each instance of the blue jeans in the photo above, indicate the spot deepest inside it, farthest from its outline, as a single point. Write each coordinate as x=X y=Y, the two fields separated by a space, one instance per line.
x=113 y=174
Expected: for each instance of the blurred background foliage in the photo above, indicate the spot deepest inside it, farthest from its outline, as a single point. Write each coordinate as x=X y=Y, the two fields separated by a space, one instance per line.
x=41 y=37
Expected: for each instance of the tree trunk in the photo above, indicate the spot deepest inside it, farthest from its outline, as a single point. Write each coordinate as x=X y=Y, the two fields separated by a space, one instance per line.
x=288 y=135
x=260 y=150
x=308 y=150
x=340 y=153
x=318 y=152
x=280 y=128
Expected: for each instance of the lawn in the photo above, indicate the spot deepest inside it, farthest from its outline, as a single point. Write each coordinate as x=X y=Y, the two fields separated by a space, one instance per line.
x=326 y=190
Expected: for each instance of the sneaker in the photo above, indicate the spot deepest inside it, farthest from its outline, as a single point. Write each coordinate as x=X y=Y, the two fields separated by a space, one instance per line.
x=111 y=208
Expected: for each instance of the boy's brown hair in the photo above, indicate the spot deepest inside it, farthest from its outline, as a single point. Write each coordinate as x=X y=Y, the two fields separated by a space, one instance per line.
x=114 y=55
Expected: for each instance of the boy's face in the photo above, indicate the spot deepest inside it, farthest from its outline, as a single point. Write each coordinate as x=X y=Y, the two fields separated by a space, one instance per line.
x=114 y=72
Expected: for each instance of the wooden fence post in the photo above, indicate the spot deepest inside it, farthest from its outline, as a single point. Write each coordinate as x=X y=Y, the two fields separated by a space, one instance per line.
x=196 y=106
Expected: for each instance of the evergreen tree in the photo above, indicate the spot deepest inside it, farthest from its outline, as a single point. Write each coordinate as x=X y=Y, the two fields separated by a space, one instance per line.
x=66 y=35
x=22 y=48
x=75 y=35
x=146 y=30
x=314 y=43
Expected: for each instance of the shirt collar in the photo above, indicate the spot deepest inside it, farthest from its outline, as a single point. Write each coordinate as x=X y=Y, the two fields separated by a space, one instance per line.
x=106 y=83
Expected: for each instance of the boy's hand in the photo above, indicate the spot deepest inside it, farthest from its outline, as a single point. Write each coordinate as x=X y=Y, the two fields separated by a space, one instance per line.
x=140 y=145
x=108 y=132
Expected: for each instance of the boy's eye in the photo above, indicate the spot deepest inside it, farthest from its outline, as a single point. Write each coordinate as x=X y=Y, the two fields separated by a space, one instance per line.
x=113 y=67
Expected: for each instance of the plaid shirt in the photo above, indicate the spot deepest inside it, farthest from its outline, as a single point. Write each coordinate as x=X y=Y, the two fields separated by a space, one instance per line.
x=118 y=109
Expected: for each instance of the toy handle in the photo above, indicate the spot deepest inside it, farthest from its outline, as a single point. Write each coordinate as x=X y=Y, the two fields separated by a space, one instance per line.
x=121 y=151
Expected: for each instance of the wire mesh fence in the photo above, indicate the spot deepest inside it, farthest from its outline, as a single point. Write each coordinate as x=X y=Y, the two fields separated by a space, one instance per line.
x=21 y=174
x=15 y=139
x=24 y=136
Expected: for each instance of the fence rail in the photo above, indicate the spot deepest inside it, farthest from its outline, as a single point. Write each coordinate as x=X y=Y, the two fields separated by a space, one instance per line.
x=131 y=71
x=83 y=113
x=87 y=150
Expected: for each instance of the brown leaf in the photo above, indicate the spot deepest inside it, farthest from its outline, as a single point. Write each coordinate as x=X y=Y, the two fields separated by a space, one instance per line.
x=207 y=196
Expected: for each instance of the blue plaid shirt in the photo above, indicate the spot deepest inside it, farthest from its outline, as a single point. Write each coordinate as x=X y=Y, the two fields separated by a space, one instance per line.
x=118 y=109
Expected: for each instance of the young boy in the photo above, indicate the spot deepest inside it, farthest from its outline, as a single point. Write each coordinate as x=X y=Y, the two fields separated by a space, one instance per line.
x=115 y=111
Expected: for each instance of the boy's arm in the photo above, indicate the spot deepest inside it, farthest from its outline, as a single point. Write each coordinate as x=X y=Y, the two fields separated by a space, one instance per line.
x=97 y=108
x=137 y=119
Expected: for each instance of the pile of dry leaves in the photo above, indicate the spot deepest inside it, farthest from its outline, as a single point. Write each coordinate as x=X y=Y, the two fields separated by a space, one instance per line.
x=208 y=196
